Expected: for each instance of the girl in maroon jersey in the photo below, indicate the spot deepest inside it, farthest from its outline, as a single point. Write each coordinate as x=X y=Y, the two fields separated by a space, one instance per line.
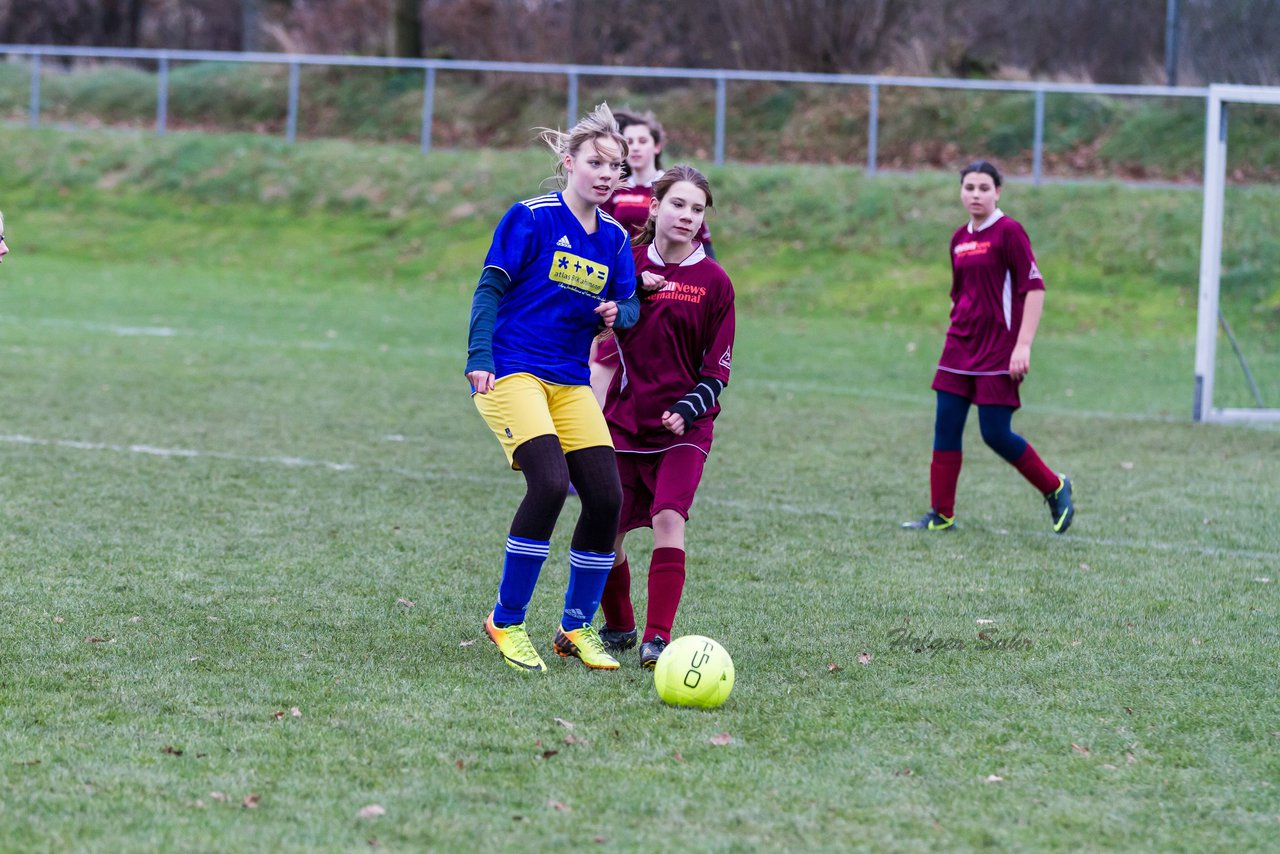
x=997 y=297
x=629 y=205
x=662 y=404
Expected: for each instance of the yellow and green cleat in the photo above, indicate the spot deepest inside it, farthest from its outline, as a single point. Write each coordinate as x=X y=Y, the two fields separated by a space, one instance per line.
x=1061 y=509
x=514 y=644
x=585 y=645
x=932 y=521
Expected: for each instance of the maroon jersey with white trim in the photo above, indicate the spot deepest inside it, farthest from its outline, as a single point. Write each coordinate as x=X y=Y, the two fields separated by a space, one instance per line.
x=992 y=269
x=685 y=332
x=629 y=205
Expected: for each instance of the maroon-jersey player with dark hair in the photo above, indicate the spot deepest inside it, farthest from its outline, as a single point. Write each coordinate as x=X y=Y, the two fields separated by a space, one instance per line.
x=997 y=297
x=662 y=404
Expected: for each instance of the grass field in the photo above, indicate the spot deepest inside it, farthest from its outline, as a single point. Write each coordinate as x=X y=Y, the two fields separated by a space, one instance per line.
x=242 y=476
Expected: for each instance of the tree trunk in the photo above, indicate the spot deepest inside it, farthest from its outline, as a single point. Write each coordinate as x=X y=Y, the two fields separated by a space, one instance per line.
x=406 y=28
x=249 y=24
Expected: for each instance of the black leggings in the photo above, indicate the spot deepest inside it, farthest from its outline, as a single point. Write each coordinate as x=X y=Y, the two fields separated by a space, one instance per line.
x=547 y=472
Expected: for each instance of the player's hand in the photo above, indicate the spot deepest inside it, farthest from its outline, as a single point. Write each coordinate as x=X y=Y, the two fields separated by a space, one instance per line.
x=674 y=422
x=1020 y=363
x=608 y=312
x=651 y=282
x=481 y=381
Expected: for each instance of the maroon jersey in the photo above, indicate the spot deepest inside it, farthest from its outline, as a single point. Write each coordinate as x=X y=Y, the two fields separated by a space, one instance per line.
x=685 y=332
x=629 y=205
x=992 y=269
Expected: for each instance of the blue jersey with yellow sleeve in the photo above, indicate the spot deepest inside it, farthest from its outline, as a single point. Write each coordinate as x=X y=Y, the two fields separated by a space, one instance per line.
x=559 y=274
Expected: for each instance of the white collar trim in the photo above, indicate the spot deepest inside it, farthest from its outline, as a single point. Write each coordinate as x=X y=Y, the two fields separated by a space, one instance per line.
x=694 y=257
x=988 y=222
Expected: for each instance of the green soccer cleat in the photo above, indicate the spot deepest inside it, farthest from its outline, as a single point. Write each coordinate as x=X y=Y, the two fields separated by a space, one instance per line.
x=932 y=521
x=1061 y=508
x=514 y=644
x=585 y=645
x=650 y=652
x=616 y=640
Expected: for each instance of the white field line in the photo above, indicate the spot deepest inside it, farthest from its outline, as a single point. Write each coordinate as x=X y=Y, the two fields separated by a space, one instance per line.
x=290 y=461
x=331 y=340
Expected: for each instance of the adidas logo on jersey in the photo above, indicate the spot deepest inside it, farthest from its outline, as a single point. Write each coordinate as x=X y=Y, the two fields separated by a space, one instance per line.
x=564 y=241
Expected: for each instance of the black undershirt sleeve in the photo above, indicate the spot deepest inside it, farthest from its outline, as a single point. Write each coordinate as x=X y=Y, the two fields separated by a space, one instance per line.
x=696 y=403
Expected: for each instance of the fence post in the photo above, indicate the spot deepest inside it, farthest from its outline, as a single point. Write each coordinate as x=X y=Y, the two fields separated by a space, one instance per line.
x=162 y=97
x=1171 y=43
x=721 y=97
x=573 y=99
x=1037 y=151
x=291 y=131
x=873 y=127
x=35 y=91
x=428 y=107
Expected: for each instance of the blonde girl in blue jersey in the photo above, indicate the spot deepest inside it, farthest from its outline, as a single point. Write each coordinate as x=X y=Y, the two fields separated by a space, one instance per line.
x=558 y=271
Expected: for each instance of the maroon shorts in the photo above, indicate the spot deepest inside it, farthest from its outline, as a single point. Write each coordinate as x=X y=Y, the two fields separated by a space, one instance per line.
x=998 y=390
x=665 y=480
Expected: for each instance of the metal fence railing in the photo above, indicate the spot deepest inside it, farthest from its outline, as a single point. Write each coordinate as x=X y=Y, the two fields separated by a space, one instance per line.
x=573 y=74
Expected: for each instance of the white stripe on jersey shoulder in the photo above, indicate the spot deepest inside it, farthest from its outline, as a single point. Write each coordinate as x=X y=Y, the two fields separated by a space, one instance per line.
x=988 y=222
x=694 y=257
x=604 y=216
x=543 y=201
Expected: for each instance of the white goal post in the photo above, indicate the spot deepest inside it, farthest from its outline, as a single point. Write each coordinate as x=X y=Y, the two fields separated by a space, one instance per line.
x=1207 y=321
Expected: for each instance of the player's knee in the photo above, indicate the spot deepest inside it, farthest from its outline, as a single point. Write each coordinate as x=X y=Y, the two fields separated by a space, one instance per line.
x=551 y=484
x=1006 y=443
x=668 y=523
x=605 y=499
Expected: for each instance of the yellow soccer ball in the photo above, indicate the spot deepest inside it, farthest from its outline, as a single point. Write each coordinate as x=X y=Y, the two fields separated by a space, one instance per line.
x=694 y=671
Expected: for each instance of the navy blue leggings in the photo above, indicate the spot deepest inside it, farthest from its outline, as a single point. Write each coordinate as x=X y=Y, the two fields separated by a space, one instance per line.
x=995 y=421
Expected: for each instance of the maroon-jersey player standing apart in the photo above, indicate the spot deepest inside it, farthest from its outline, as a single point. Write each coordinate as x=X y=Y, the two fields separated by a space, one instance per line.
x=997 y=297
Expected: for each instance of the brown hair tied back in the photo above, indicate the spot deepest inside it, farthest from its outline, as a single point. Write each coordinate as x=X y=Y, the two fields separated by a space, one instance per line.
x=668 y=179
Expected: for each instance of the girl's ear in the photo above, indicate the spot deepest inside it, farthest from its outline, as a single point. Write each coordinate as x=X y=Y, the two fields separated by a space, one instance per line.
x=653 y=206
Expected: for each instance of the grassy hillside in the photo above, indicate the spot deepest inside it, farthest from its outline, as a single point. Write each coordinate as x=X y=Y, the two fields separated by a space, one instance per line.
x=767 y=123
x=808 y=240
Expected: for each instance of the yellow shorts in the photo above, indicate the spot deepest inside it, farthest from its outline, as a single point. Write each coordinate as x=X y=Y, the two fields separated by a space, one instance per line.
x=522 y=407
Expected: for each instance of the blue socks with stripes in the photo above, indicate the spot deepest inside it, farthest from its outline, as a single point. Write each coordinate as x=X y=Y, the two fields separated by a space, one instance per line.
x=520 y=567
x=588 y=571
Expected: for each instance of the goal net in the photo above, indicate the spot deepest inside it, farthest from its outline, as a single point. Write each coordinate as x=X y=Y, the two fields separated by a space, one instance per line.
x=1237 y=348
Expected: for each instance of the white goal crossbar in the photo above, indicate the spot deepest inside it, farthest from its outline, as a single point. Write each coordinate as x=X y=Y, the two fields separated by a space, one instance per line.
x=1215 y=168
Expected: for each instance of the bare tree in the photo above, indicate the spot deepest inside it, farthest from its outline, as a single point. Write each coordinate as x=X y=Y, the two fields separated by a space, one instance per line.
x=250 y=24
x=406 y=28
x=813 y=35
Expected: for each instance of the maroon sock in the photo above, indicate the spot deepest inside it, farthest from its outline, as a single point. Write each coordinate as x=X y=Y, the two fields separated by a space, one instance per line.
x=616 y=600
x=944 y=473
x=1033 y=469
x=666 y=583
